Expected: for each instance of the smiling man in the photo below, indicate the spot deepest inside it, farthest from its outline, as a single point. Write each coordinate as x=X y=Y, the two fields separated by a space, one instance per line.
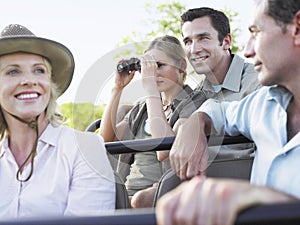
x=207 y=40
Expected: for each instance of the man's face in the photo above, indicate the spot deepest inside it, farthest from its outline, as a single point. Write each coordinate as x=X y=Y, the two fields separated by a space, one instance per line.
x=202 y=46
x=270 y=48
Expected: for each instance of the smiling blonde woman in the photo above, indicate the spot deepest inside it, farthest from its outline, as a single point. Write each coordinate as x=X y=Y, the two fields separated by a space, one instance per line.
x=46 y=168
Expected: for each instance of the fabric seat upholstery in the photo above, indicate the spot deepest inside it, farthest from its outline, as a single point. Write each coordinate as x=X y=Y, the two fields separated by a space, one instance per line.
x=237 y=168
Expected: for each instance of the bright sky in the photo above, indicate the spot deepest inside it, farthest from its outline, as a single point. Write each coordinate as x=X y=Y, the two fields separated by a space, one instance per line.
x=91 y=29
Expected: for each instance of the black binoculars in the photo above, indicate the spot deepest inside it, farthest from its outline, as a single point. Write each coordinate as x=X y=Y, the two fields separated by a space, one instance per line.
x=129 y=65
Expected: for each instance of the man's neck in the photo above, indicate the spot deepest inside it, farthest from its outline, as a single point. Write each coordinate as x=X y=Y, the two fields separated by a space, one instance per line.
x=293 y=114
x=217 y=76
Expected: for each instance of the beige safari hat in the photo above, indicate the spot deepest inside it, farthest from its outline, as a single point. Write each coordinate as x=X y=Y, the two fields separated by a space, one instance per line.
x=17 y=38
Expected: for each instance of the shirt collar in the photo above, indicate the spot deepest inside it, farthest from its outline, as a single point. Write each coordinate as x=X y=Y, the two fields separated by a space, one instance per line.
x=187 y=90
x=49 y=136
x=233 y=76
x=279 y=94
x=4 y=145
x=232 y=80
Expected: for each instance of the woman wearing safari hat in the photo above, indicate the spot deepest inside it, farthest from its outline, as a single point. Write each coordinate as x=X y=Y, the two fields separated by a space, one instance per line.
x=46 y=168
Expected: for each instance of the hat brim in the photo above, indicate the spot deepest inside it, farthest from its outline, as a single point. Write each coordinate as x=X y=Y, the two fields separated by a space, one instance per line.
x=60 y=57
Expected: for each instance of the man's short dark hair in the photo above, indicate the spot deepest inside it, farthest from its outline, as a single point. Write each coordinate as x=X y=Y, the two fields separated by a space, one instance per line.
x=218 y=19
x=282 y=11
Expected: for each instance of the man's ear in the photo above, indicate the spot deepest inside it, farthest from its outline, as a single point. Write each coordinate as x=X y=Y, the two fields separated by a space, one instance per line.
x=183 y=65
x=227 y=42
x=296 y=23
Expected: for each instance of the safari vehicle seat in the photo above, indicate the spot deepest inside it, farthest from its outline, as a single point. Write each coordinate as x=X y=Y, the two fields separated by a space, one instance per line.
x=122 y=199
x=236 y=165
x=237 y=168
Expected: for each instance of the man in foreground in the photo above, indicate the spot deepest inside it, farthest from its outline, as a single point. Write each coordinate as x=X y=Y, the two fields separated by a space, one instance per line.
x=270 y=117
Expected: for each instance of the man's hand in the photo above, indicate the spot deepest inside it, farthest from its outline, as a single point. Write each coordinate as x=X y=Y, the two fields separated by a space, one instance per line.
x=188 y=155
x=212 y=201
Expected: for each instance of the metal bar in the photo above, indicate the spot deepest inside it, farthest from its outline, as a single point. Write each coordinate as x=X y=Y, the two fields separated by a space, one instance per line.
x=276 y=214
x=158 y=144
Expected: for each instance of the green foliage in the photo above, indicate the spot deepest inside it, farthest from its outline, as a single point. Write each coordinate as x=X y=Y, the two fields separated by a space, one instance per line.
x=165 y=18
x=235 y=31
x=80 y=115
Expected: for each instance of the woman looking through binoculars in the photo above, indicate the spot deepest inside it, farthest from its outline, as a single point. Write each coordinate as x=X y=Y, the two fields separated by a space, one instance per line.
x=168 y=101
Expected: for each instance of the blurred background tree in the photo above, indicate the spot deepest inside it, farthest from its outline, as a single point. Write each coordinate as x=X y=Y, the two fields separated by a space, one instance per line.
x=80 y=115
x=163 y=19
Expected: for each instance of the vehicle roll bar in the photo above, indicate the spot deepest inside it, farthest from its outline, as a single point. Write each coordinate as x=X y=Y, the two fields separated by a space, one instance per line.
x=158 y=144
x=275 y=214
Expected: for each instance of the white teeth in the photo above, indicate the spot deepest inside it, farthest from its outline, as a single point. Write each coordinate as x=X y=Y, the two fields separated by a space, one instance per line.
x=27 y=96
x=200 y=58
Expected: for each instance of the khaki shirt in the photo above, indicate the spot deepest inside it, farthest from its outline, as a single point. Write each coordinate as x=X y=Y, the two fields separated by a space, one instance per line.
x=146 y=169
x=240 y=80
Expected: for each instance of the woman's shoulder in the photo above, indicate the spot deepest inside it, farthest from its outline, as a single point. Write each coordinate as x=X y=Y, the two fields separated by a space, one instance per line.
x=89 y=145
x=69 y=134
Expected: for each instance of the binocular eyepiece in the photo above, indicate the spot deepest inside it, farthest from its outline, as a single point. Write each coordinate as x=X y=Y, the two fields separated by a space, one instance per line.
x=132 y=64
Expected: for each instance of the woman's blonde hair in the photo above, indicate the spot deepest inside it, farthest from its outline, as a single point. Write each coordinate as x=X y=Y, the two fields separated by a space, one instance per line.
x=172 y=47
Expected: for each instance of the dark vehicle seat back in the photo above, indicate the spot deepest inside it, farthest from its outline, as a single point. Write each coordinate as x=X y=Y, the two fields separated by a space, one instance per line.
x=237 y=168
x=122 y=199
